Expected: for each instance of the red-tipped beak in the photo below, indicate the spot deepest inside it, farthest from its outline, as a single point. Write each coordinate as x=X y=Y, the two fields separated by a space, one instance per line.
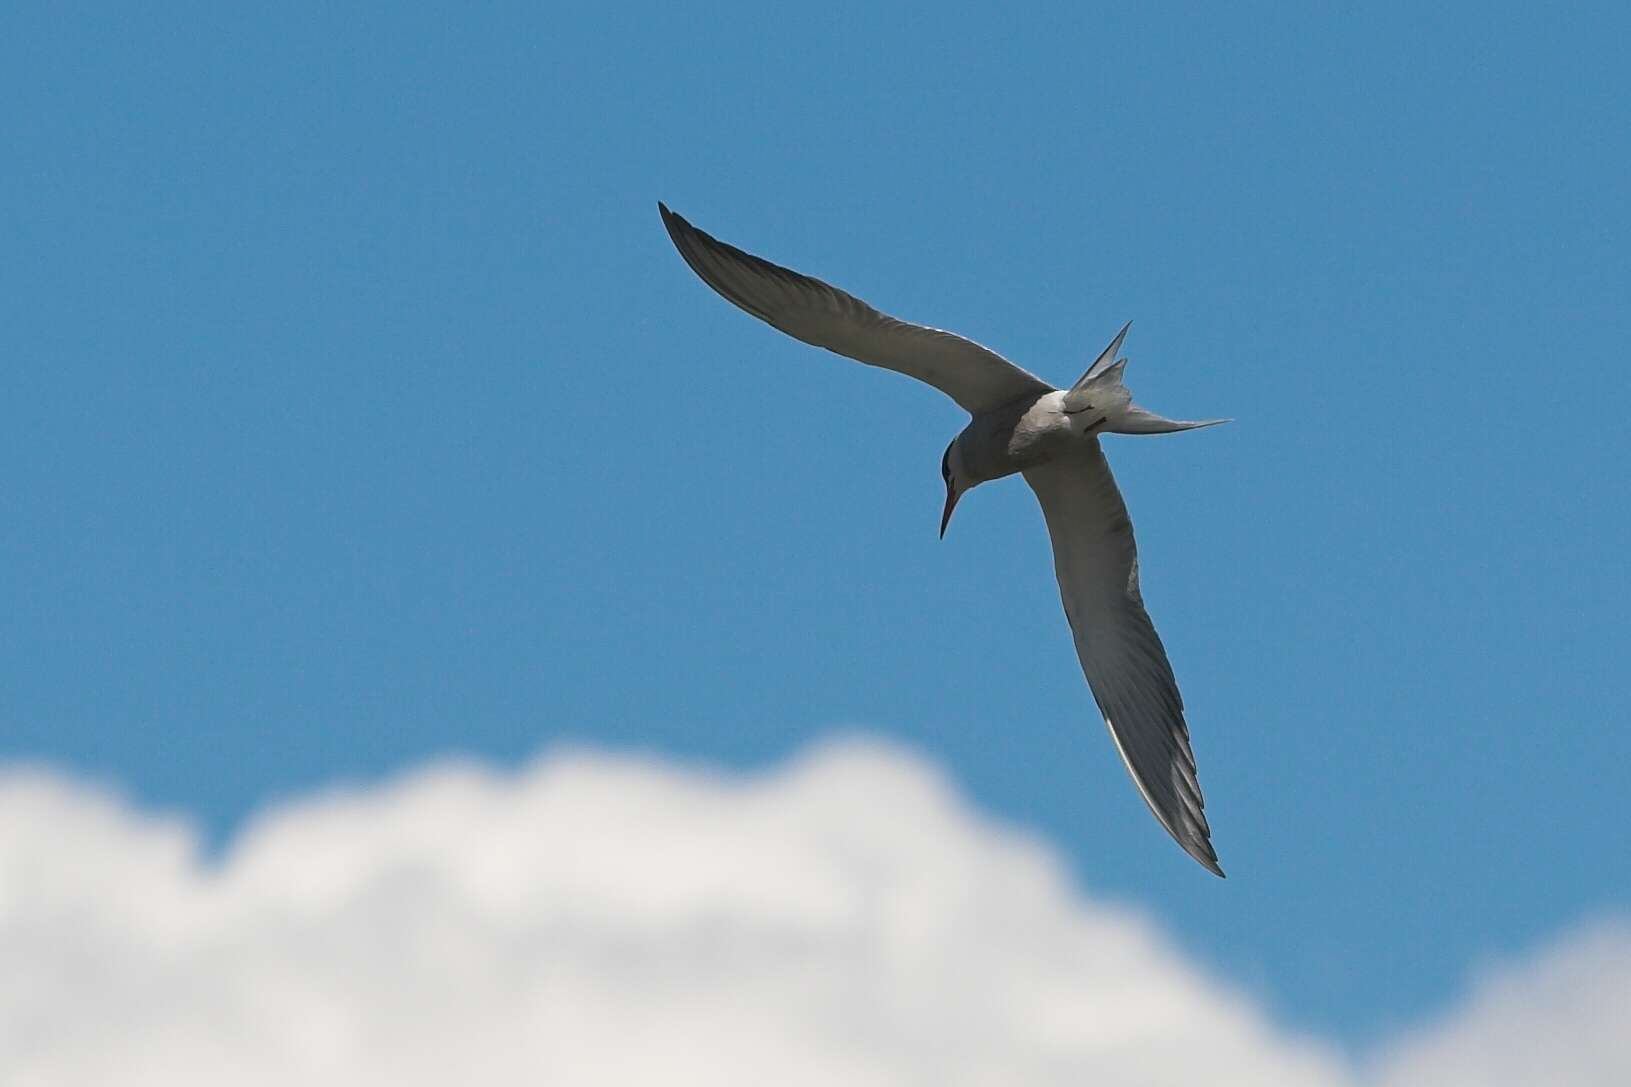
x=951 y=502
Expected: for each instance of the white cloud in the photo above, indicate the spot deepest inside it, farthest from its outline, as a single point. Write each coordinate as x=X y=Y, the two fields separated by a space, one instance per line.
x=603 y=920
x=1562 y=1017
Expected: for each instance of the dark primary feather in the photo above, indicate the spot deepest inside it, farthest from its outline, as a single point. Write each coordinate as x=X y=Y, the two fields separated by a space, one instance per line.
x=1096 y=561
x=824 y=316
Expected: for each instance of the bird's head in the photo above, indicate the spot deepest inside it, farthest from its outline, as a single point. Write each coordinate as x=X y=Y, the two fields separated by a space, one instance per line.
x=957 y=480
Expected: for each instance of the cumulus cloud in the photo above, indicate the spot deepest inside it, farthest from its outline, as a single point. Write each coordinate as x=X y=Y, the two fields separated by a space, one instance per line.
x=606 y=920
x=1562 y=1017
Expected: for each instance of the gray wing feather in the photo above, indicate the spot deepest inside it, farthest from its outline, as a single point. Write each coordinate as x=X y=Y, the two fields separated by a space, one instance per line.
x=807 y=309
x=1096 y=561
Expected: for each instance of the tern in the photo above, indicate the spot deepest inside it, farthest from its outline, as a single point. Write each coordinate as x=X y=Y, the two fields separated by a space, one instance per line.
x=1020 y=424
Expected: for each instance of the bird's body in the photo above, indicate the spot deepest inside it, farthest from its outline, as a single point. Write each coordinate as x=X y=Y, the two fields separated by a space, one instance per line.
x=1020 y=424
x=1022 y=434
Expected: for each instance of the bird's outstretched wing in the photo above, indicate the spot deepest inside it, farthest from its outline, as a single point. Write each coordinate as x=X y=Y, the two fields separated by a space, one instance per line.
x=1096 y=561
x=807 y=309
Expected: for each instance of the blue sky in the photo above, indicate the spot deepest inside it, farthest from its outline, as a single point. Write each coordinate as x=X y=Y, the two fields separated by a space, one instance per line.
x=356 y=410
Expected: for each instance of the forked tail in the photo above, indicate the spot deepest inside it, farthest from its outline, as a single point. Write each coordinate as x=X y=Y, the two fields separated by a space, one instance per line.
x=1100 y=389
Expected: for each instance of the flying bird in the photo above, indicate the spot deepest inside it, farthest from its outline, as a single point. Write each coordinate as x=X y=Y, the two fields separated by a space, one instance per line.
x=1020 y=424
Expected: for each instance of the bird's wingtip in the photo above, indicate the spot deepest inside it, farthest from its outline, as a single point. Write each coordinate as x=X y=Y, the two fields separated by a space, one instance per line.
x=678 y=229
x=1198 y=844
x=1208 y=859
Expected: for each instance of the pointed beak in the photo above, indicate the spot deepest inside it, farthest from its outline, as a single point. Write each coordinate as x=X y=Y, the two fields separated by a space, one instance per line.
x=951 y=503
